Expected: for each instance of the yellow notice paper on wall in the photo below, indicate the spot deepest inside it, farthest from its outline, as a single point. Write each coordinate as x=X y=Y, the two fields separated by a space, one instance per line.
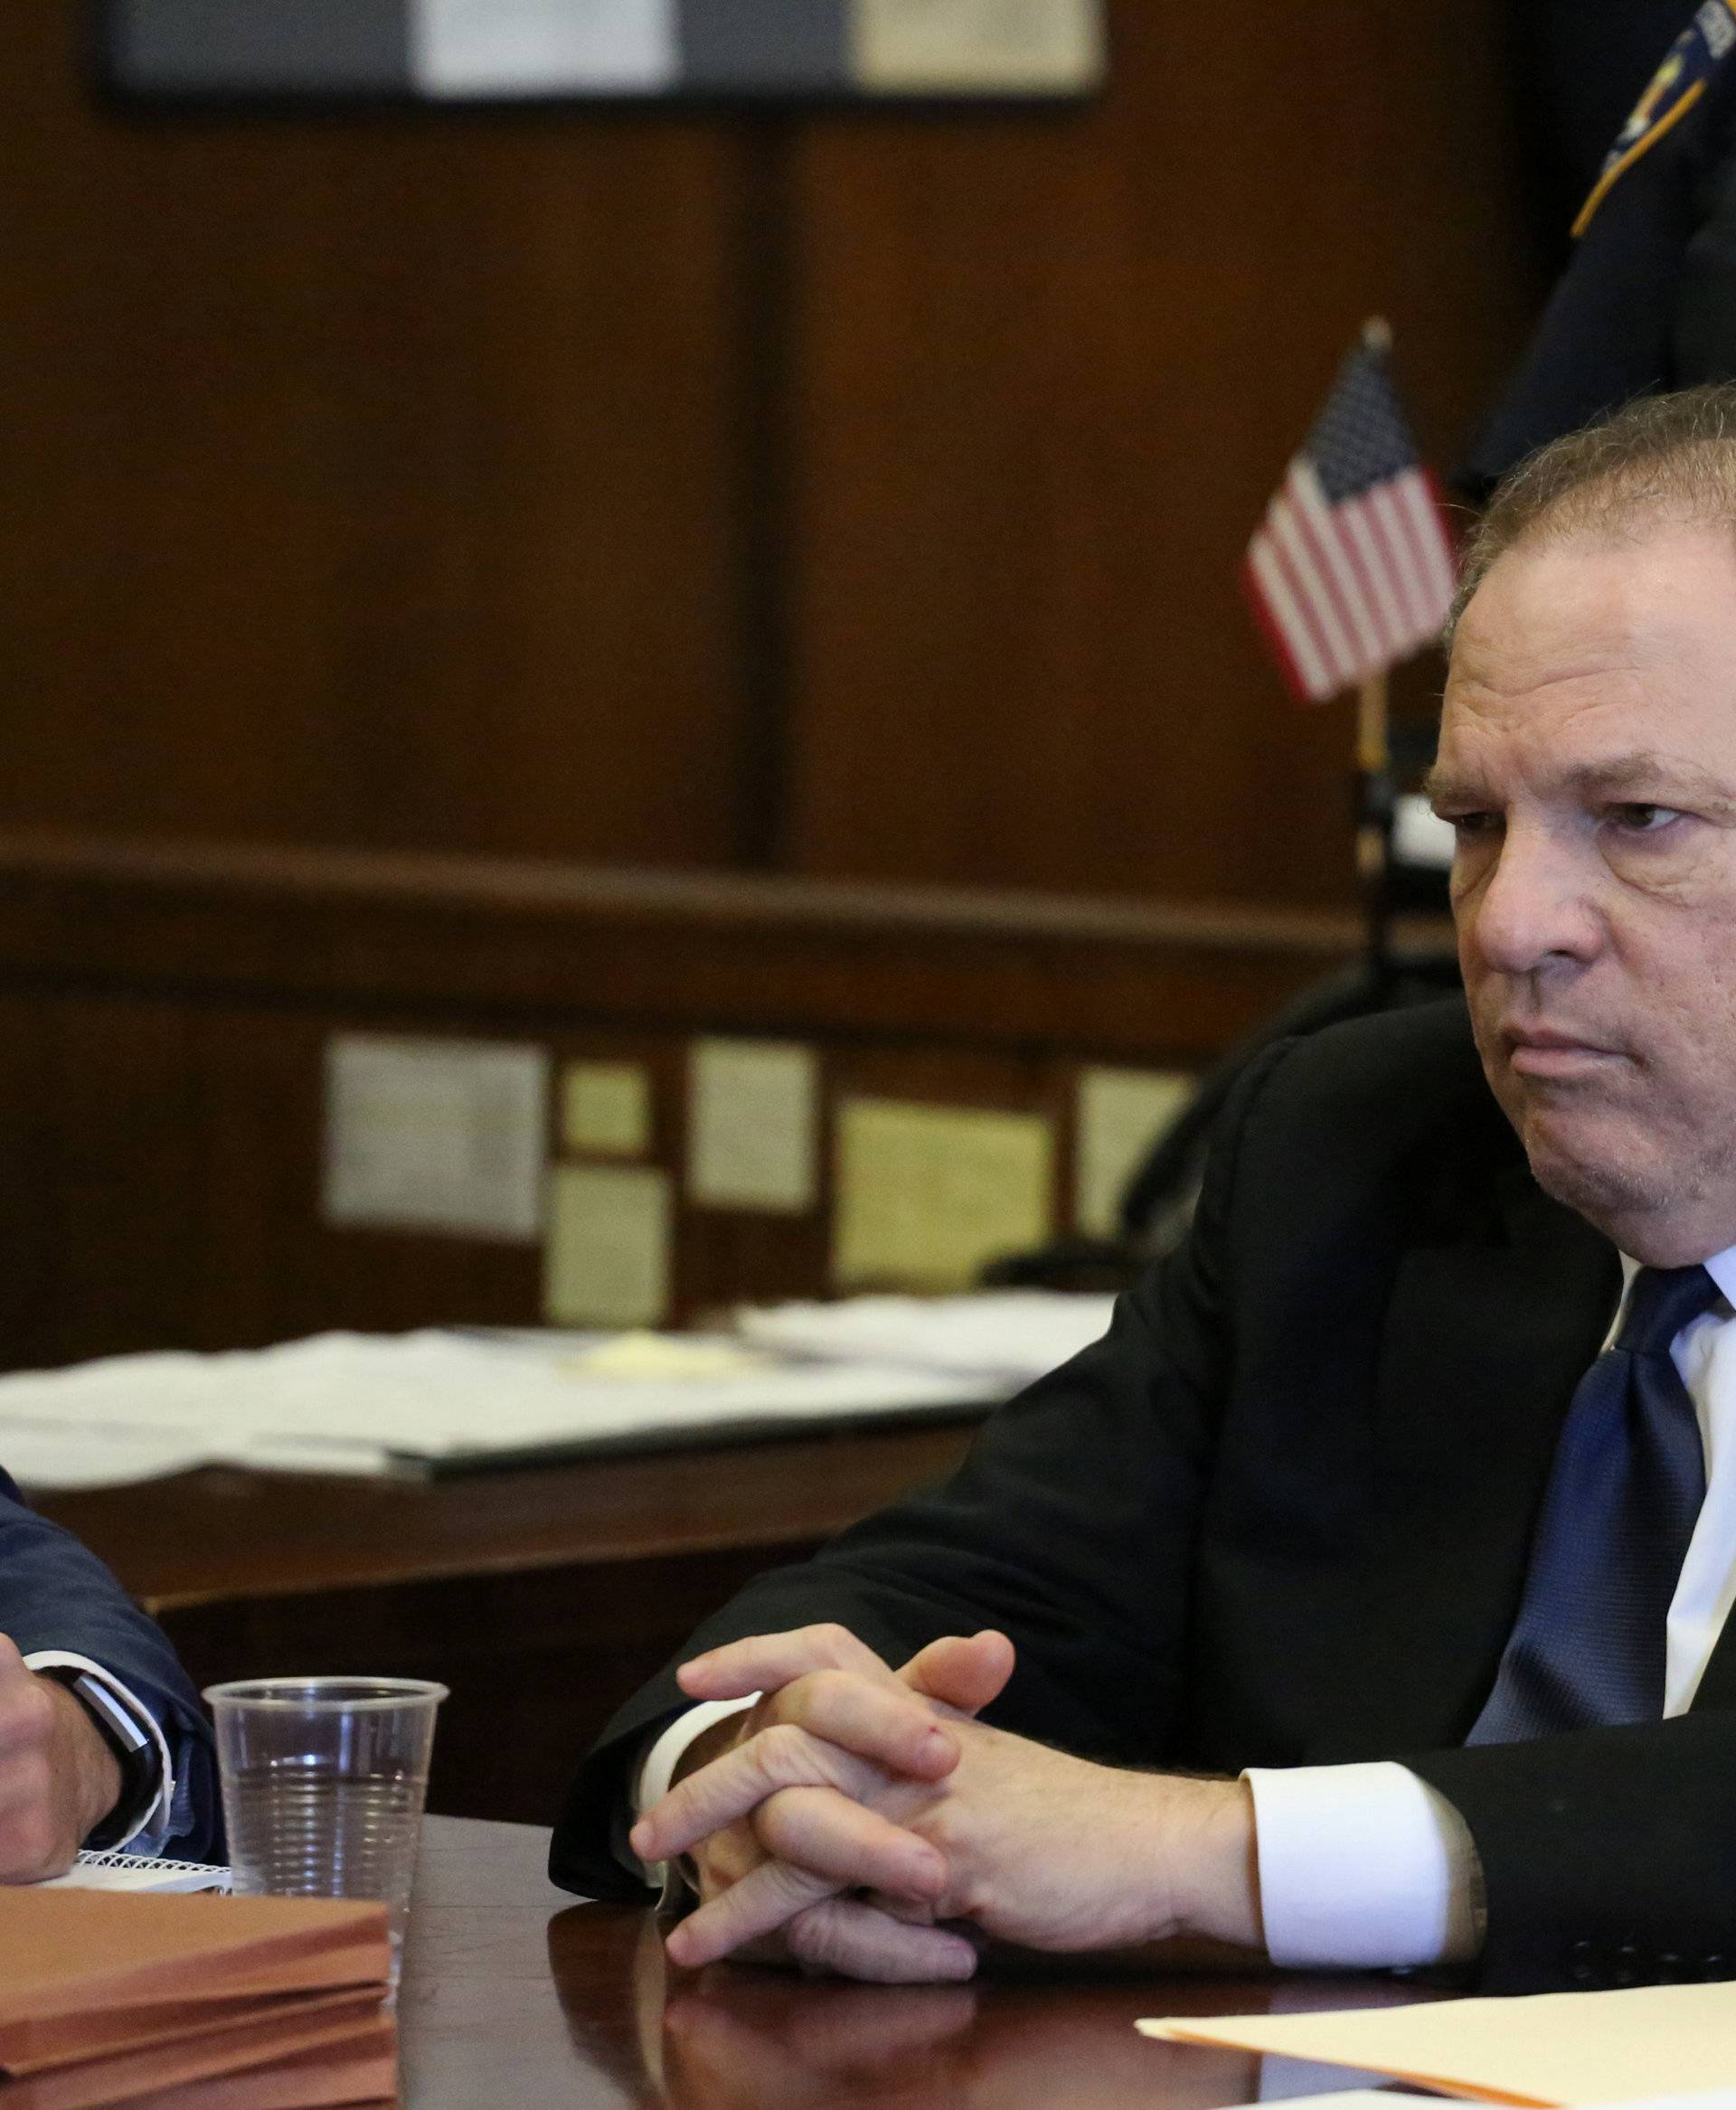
x=606 y=1108
x=976 y=47
x=1121 y=1113
x=607 y=1262
x=752 y=1125
x=926 y=1193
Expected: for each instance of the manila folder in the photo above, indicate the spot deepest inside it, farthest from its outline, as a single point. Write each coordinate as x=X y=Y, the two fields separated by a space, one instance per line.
x=1542 y=2048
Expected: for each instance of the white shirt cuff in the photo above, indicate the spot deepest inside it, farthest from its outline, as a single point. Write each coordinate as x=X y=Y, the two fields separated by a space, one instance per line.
x=1362 y=1868
x=657 y=1769
x=155 y=1818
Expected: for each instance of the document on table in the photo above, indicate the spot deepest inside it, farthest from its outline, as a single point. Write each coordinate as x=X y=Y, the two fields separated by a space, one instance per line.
x=1645 y=2042
x=1395 y=2099
x=1012 y=1334
x=437 y=1400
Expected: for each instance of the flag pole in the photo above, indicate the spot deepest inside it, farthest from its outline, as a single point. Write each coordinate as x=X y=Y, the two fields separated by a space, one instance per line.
x=1374 y=770
x=1375 y=822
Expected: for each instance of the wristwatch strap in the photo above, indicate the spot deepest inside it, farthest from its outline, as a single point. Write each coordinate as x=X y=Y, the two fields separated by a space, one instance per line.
x=133 y=1751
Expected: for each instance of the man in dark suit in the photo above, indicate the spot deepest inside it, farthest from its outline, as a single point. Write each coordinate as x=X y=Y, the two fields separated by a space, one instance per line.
x=1348 y=1513
x=102 y=1742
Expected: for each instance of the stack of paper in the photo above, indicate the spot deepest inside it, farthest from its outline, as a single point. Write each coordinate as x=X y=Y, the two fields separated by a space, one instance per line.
x=1540 y=2048
x=362 y=1403
x=1008 y=1335
x=255 y=2003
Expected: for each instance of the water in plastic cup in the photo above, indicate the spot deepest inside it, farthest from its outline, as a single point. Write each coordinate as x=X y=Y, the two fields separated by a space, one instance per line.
x=324 y=1781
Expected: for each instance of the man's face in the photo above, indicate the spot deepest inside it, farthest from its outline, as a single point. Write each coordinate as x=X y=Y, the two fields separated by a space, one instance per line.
x=1588 y=761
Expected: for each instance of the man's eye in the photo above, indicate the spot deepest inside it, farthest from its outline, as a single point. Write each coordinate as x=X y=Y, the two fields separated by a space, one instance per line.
x=1639 y=819
x=1468 y=826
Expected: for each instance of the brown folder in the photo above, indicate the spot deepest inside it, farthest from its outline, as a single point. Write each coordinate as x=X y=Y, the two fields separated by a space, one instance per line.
x=329 y=2028
x=362 y=2070
x=90 y=1973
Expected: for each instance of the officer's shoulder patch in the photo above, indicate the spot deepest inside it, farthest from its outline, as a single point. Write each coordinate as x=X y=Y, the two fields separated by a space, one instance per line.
x=1672 y=92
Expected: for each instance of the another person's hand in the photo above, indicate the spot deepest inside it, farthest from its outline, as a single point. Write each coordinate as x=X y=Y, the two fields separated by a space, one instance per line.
x=58 y=1778
x=834 y=1727
x=1040 y=1849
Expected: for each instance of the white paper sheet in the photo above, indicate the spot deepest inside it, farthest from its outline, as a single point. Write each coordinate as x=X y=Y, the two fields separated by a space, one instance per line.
x=1010 y=1334
x=542 y=47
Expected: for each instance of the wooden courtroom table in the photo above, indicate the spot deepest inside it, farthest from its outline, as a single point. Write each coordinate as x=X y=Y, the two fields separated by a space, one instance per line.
x=515 y=1995
x=542 y=1598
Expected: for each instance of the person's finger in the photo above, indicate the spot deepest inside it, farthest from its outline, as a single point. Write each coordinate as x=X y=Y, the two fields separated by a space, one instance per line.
x=717 y=1795
x=844 y=1936
x=759 y=1904
x=825 y=1832
x=965 y=1671
x=765 y=1661
x=893 y=1725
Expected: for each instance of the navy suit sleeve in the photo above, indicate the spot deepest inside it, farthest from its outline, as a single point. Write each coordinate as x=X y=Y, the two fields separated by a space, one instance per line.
x=55 y=1594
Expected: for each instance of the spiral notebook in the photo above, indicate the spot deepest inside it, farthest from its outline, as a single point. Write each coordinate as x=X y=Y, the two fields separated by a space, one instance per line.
x=135 y=1871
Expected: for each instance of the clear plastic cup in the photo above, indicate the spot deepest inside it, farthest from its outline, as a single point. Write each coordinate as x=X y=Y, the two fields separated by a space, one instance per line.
x=324 y=1781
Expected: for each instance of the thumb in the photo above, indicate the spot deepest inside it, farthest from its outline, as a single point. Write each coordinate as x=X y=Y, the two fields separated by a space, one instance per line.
x=962 y=1671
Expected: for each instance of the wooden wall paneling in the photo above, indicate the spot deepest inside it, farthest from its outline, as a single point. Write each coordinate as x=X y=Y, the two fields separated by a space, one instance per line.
x=29 y=1306
x=374 y=479
x=459 y=936
x=119 y=1205
x=1052 y=369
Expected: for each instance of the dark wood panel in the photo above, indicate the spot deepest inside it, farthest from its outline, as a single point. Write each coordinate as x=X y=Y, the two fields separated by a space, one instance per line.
x=1050 y=373
x=371 y=480
x=567 y=946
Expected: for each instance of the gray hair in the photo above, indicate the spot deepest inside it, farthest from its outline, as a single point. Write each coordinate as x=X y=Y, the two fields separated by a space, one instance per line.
x=1669 y=458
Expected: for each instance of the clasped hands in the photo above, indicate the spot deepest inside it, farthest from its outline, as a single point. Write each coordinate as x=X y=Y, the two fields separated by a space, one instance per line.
x=861 y=1821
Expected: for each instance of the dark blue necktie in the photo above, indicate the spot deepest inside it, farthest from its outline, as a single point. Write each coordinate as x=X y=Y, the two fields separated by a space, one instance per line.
x=1624 y=1493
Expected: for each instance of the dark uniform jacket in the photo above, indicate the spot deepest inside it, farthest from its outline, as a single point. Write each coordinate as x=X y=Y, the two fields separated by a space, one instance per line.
x=1280 y=1515
x=1648 y=301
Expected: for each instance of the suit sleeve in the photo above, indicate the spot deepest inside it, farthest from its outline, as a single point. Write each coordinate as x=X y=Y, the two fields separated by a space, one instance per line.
x=55 y=1594
x=1608 y=1856
x=1070 y=1526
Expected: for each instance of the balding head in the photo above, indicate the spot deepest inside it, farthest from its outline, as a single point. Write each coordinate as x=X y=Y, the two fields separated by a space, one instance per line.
x=1662 y=462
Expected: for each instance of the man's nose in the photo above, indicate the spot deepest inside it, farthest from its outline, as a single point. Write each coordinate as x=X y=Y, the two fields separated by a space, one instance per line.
x=1533 y=907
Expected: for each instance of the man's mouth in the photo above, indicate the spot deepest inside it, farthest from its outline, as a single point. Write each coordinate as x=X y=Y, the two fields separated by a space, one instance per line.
x=1544 y=1051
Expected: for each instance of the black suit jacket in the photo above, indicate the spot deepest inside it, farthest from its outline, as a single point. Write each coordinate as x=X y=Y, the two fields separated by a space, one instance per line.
x=1280 y=1514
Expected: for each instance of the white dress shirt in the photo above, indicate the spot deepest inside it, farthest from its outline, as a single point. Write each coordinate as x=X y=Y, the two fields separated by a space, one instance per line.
x=1367 y=1867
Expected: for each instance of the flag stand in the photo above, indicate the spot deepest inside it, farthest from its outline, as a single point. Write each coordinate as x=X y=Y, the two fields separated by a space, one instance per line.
x=1374 y=825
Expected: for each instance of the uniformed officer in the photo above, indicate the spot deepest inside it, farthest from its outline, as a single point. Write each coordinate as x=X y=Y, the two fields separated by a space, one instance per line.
x=1648 y=301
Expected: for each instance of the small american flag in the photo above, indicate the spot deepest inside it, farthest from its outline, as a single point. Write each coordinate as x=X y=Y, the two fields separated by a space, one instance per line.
x=1352 y=569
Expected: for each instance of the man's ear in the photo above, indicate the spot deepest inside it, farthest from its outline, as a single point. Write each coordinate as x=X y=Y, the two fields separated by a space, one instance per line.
x=961 y=1672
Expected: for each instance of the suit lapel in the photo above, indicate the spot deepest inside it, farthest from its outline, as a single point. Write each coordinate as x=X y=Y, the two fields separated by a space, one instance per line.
x=1484 y=1339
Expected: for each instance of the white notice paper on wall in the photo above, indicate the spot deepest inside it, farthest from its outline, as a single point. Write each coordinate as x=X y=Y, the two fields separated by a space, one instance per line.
x=436 y=1136
x=752 y=1125
x=607 y=1258
x=542 y=47
x=1012 y=47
